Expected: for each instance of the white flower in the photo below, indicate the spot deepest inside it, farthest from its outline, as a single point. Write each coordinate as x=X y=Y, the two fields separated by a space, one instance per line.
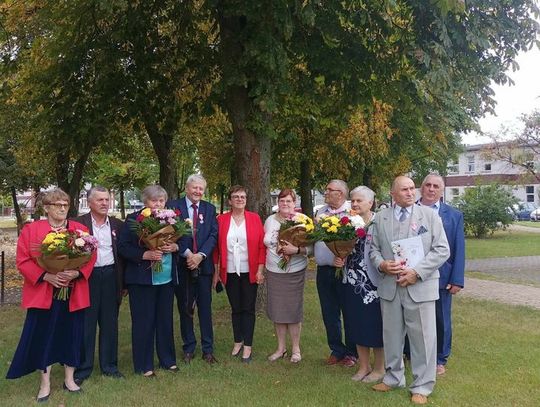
x=357 y=221
x=79 y=242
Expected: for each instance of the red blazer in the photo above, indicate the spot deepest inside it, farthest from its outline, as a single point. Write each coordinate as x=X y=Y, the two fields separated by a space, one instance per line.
x=36 y=294
x=256 y=248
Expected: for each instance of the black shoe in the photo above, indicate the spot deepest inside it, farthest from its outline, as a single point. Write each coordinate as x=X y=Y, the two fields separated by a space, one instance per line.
x=246 y=360
x=114 y=375
x=43 y=399
x=79 y=390
x=209 y=358
x=188 y=357
x=78 y=381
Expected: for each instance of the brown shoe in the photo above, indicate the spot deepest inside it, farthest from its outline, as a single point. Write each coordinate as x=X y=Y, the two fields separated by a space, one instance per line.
x=441 y=369
x=348 y=361
x=382 y=387
x=418 y=399
x=188 y=357
x=332 y=360
x=209 y=358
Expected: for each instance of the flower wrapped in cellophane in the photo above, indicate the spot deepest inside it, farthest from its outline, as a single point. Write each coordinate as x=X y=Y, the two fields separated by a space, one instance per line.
x=295 y=230
x=159 y=227
x=66 y=250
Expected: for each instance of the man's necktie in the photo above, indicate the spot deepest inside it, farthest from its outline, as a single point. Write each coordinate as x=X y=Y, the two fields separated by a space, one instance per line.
x=195 y=219
x=403 y=215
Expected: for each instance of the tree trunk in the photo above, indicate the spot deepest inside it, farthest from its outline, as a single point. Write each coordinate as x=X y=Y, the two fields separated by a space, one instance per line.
x=71 y=186
x=306 y=186
x=17 y=209
x=163 y=147
x=122 y=204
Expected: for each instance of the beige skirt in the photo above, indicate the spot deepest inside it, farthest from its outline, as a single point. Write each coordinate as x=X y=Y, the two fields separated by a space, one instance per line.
x=285 y=296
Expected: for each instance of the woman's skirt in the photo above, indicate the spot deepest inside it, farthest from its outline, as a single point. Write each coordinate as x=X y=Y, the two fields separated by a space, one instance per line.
x=285 y=299
x=49 y=336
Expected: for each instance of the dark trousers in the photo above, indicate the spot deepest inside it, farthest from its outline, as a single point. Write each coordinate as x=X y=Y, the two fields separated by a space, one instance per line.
x=103 y=311
x=199 y=292
x=443 y=315
x=152 y=322
x=242 y=297
x=330 y=291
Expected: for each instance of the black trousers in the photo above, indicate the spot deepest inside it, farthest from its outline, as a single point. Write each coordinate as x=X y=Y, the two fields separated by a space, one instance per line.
x=242 y=297
x=103 y=311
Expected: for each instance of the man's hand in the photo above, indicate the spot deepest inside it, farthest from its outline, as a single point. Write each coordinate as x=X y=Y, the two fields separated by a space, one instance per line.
x=169 y=248
x=407 y=277
x=193 y=260
x=391 y=267
x=215 y=278
x=453 y=289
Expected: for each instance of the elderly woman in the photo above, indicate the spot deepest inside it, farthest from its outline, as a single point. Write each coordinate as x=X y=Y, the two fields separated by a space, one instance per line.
x=53 y=329
x=240 y=254
x=285 y=301
x=361 y=304
x=151 y=292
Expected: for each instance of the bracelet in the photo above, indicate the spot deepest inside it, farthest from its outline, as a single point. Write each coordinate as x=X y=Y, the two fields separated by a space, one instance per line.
x=298 y=251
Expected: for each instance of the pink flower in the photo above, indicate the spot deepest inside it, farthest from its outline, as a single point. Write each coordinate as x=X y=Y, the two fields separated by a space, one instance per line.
x=345 y=220
x=360 y=233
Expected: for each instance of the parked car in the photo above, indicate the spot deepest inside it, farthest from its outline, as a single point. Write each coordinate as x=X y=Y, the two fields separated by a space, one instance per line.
x=523 y=210
x=535 y=215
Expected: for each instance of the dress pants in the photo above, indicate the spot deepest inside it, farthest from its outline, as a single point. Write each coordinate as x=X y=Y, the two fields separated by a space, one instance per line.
x=330 y=291
x=103 y=311
x=152 y=322
x=443 y=313
x=200 y=292
x=242 y=297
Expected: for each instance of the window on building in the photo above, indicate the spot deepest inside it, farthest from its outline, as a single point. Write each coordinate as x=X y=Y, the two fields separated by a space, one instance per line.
x=470 y=163
x=487 y=167
x=453 y=167
x=455 y=191
x=529 y=190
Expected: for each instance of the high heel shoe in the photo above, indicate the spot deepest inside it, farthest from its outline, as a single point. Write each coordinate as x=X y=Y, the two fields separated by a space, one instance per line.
x=246 y=360
x=79 y=390
x=43 y=399
x=234 y=355
x=277 y=355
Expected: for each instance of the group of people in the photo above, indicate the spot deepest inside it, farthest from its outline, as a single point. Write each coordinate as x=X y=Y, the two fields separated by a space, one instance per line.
x=380 y=300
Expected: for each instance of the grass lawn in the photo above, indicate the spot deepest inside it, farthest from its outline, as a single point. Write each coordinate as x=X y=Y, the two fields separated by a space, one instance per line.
x=504 y=244
x=492 y=365
x=528 y=224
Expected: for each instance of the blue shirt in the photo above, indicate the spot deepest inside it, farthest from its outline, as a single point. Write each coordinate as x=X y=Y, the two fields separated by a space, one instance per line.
x=165 y=275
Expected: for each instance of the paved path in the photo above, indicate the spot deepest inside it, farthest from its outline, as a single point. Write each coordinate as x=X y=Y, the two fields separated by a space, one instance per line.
x=521 y=228
x=513 y=294
x=526 y=269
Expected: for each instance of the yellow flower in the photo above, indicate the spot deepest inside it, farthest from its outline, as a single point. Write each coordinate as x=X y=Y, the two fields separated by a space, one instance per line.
x=146 y=212
x=332 y=229
x=334 y=220
x=309 y=228
x=49 y=238
x=325 y=225
x=51 y=247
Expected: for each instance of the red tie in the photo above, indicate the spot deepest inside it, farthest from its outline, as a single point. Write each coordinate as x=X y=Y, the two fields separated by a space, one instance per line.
x=195 y=219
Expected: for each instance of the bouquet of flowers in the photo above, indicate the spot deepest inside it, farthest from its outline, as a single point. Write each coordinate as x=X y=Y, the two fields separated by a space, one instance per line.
x=158 y=227
x=339 y=234
x=295 y=230
x=65 y=250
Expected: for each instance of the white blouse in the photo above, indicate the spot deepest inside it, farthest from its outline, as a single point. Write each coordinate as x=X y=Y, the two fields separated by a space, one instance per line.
x=237 y=250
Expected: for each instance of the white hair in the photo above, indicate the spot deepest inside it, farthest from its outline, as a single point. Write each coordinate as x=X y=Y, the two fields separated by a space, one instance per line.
x=153 y=192
x=342 y=184
x=364 y=191
x=196 y=178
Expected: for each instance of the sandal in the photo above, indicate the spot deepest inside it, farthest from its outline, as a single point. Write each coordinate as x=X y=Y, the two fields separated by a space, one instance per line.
x=296 y=357
x=277 y=355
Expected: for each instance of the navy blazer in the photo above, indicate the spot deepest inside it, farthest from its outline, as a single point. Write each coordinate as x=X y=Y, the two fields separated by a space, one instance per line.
x=130 y=247
x=207 y=231
x=453 y=270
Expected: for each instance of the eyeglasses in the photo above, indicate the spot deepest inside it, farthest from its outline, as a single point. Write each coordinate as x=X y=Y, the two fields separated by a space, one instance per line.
x=59 y=205
x=240 y=197
x=331 y=190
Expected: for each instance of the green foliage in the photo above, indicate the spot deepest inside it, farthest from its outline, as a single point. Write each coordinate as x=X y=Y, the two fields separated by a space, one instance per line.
x=486 y=208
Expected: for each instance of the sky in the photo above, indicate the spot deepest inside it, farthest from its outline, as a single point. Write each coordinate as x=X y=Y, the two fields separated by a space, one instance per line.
x=512 y=101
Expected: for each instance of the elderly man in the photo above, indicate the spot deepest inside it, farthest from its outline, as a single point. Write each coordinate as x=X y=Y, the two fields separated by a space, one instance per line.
x=106 y=289
x=452 y=278
x=195 y=269
x=328 y=286
x=408 y=293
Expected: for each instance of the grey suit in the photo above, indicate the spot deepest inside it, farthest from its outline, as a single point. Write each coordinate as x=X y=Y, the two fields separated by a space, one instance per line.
x=410 y=310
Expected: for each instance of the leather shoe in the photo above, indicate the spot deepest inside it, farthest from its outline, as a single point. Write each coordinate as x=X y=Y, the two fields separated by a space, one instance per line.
x=79 y=381
x=418 y=399
x=188 y=357
x=209 y=358
x=114 y=375
x=246 y=360
x=441 y=369
x=348 y=361
x=382 y=387
x=332 y=360
x=43 y=399
x=79 y=390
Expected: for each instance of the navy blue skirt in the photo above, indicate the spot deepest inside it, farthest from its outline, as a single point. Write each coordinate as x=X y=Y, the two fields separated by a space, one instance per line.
x=49 y=336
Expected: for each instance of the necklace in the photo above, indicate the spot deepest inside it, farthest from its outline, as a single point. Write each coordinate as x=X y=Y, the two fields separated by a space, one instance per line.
x=57 y=227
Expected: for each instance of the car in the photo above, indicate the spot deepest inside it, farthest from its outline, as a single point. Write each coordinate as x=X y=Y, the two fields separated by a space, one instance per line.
x=523 y=210
x=535 y=215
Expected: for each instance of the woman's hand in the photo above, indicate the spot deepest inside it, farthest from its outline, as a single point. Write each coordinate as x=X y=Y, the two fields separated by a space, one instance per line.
x=287 y=248
x=260 y=276
x=169 y=248
x=65 y=277
x=53 y=280
x=152 y=255
x=339 y=262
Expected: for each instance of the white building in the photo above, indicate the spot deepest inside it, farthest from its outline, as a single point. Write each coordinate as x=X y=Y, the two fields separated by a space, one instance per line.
x=478 y=165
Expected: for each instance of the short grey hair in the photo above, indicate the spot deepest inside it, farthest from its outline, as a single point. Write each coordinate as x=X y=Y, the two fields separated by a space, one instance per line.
x=343 y=185
x=196 y=178
x=434 y=174
x=364 y=191
x=153 y=192
x=97 y=188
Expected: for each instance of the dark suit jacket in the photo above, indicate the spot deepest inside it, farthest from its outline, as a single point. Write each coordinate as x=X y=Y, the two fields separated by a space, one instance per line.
x=207 y=231
x=453 y=270
x=138 y=271
x=119 y=264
